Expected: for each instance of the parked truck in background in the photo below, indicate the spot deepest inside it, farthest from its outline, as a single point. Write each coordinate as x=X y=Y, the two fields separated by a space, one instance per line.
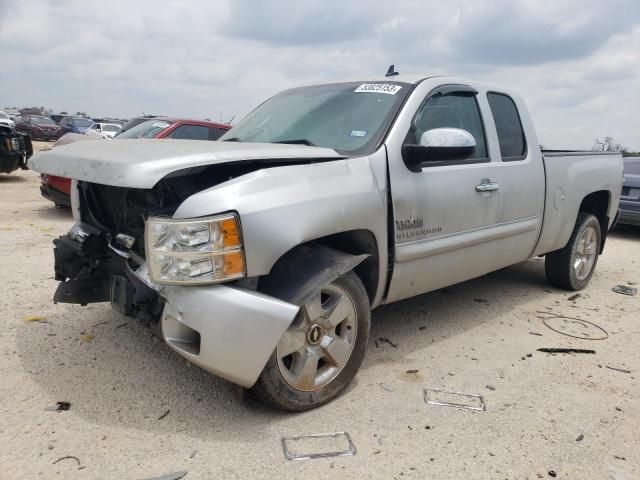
x=261 y=256
x=15 y=149
x=630 y=198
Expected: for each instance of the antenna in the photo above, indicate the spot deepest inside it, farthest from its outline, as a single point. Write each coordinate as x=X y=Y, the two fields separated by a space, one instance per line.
x=392 y=71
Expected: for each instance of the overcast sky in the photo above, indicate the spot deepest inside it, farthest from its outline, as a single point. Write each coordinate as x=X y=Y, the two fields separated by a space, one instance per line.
x=576 y=63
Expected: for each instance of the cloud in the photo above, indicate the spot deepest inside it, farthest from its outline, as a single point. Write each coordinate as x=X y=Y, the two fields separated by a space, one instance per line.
x=282 y=22
x=575 y=62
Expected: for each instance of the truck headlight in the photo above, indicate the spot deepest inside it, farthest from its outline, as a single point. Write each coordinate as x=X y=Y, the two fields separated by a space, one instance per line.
x=206 y=250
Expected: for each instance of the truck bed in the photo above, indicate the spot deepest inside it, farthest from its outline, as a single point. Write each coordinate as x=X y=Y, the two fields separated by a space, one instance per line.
x=571 y=176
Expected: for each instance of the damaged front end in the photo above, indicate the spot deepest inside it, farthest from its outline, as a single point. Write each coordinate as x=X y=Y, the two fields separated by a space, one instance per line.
x=228 y=329
x=97 y=259
x=91 y=272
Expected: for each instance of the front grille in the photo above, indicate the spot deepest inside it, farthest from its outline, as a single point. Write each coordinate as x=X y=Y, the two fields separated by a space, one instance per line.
x=124 y=210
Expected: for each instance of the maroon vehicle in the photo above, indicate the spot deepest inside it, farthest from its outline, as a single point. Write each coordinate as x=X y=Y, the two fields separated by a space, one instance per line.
x=38 y=127
x=58 y=189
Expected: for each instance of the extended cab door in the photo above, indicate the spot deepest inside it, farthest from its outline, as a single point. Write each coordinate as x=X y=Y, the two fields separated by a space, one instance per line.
x=458 y=218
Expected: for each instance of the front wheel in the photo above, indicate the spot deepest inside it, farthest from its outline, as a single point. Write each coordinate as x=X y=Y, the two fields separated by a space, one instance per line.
x=571 y=268
x=321 y=351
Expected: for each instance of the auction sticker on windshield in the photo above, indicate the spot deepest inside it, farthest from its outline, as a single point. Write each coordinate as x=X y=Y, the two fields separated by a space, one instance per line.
x=387 y=88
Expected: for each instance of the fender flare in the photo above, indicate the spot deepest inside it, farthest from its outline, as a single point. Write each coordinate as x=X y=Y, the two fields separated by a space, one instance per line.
x=304 y=269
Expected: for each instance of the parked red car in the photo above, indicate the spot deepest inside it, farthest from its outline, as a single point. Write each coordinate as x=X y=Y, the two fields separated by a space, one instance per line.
x=58 y=189
x=164 y=127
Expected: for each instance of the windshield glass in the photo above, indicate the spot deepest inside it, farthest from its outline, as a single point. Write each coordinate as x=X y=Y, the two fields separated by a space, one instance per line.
x=42 y=121
x=81 y=122
x=148 y=129
x=348 y=117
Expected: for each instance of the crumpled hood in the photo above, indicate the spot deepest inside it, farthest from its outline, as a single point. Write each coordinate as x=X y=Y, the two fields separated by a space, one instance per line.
x=143 y=163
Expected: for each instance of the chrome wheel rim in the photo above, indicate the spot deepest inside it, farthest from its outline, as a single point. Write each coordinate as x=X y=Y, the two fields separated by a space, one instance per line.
x=586 y=252
x=318 y=345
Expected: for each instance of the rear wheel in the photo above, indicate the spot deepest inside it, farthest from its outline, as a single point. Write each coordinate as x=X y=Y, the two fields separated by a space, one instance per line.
x=321 y=351
x=571 y=268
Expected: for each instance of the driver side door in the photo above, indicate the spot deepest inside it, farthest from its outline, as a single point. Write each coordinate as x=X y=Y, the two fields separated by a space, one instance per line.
x=446 y=211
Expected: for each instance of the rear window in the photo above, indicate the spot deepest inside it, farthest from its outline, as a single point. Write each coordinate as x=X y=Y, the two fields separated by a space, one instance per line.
x=110 y=128
x=508 y=125
x=81 y=122
x=42 y=121
x=148 y=129
x=190 y=132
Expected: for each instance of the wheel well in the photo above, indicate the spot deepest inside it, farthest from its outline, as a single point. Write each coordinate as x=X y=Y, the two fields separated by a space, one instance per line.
x=597 y=204
x=357 y=242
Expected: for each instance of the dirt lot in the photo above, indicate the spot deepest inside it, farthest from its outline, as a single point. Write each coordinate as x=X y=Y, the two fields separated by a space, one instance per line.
x=138 y=410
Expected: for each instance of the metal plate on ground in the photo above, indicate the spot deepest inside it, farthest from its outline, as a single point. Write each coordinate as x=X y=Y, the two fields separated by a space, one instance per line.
x=466 y=401
x=324 y=445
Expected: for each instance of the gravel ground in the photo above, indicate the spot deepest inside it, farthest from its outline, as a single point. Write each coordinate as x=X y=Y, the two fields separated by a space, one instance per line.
x=138 y=410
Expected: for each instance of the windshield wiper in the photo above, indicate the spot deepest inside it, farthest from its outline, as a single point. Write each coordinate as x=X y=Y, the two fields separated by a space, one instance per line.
x=232 y=139
x=299 y=141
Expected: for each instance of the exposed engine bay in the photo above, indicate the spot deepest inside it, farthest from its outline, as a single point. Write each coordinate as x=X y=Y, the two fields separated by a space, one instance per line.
x=95 y=261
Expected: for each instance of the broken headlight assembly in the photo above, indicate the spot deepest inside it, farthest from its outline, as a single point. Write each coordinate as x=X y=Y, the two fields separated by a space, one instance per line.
x=204 y=250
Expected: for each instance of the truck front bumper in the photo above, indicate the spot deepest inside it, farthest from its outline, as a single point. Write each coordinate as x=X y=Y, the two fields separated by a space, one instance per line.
x=10 y=161
x=228 y=330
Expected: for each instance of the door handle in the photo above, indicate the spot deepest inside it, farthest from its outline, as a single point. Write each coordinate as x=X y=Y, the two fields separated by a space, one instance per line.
x=487 y=186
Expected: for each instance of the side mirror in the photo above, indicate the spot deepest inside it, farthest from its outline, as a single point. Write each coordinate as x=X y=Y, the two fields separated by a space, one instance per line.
x=438 y=145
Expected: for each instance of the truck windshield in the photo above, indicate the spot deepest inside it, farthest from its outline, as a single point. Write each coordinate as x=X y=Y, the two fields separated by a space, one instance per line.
x=348 y=117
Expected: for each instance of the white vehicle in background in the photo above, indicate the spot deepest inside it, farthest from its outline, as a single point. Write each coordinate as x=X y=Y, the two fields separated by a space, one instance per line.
x=5 y=120
x=107 y=130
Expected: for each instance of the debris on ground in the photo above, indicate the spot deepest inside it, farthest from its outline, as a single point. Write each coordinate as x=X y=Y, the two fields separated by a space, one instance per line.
x=35 y=318
x=580 y=438
x=87 y=337
x=170 y=476
x=552 y=473
x=164 y=415
x=623 y=370
x=481 y=300
x=490 y=387
x=566 y=350
x=386 y=340
x=466 y=401
x=536 y=334
x=573 y=327
x=413 y=370
x=574 y=297
x=67 y=457
x=617 y=457
x=193 y=454
x=387 y=387
x=624 y=290
x=59 y=407
x=306 y=447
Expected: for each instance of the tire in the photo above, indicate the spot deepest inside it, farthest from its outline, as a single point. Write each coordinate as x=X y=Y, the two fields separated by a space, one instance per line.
x=280 y=385
x=570 y=268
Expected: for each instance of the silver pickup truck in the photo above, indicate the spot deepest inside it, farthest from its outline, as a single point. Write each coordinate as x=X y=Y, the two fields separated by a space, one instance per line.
x=260 y=256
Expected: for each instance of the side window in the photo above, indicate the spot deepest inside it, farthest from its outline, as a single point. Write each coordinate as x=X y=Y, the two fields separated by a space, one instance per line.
x=190 y=132
x=513 y=144
x=216 y=133
x=451 y=110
